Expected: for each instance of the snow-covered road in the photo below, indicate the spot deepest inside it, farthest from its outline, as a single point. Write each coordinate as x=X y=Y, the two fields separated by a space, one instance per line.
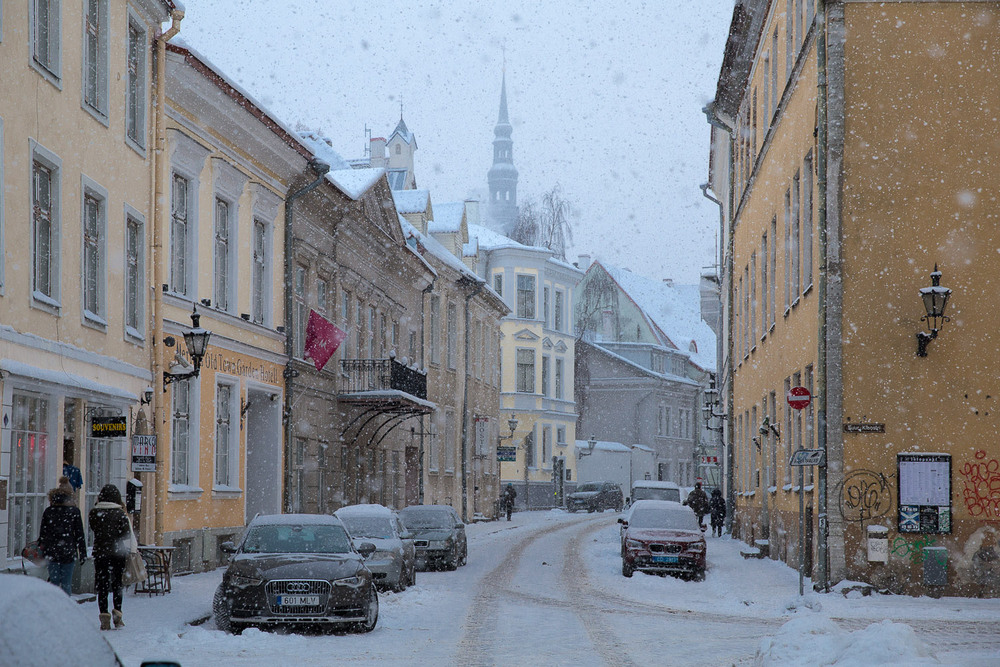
x=547 y=588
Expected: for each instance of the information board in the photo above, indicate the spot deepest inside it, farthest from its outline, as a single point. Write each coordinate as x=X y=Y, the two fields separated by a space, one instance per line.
x=143 y=453
x=924 y=493
x=506 y=453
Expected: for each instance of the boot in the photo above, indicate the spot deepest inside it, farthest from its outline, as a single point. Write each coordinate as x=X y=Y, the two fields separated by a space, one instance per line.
x=105 y=621
x=119 y=621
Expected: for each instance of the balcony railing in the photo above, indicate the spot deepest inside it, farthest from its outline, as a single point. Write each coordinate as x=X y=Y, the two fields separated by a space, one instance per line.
x=361 y=375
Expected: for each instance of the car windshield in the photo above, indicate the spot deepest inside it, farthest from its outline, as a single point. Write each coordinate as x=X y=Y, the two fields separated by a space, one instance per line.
x=422 y=518
x=662 y=519
x=296 y=539
x=589 y=486
x=377 y=527
x=647 y=493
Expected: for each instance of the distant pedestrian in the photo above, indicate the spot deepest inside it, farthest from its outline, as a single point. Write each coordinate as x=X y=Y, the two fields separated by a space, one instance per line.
x=697 y=500
x=61 y=538
x=112 y=544
x=72 y=474
x=509 y=494
x=717 y=506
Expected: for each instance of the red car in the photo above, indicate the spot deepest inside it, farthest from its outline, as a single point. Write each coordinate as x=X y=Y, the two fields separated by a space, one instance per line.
x=662 y=537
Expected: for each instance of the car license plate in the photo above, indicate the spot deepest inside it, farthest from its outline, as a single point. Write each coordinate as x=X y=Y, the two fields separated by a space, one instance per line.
x=664 y=559
x=298 y=600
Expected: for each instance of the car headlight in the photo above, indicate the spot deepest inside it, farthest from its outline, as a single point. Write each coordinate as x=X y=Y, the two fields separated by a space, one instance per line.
x=354 y=581
x=634 y=544
x=244 y=582
x=697 y=547
x=442 y=544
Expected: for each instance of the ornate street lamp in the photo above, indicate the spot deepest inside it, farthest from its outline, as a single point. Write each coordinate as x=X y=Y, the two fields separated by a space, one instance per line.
x=196 y=341
x=935 y=300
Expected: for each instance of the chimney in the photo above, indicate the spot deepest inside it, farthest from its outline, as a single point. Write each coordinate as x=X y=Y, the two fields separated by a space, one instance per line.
x=472 y=211
x=584 y=262
x=377 y=148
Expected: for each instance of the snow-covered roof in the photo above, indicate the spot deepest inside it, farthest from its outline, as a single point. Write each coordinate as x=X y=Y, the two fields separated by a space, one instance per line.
x=491 y=240
x=364 y=510
x=403 y=132
x=411 y=201
x=605 y=445
x=639 y=367
x=434 y=247
x=352 y=182
x=673 y=309
x=447 y=218
x=644 y=448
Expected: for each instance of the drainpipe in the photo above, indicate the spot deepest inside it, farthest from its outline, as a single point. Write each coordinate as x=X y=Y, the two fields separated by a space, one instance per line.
x=465 y=408
x=821 y=183
x=157 y=495
x=319 y=168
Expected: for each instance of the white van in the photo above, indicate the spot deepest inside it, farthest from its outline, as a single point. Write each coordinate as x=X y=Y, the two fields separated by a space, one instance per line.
x=650 y=490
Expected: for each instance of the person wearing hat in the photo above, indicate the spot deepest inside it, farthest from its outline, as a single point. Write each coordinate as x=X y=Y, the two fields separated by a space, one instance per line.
x=61 y=538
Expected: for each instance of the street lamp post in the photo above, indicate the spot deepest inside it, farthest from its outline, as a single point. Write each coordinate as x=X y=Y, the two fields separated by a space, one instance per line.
x=196 y=340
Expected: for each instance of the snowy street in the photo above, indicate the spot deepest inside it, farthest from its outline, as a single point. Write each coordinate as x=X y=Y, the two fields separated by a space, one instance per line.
x=546 y=588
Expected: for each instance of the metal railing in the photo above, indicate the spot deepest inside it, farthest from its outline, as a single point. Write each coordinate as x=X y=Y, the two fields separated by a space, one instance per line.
x=359 y=375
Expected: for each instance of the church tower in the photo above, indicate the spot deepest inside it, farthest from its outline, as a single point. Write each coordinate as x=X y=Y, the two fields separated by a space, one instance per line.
x=502 y=176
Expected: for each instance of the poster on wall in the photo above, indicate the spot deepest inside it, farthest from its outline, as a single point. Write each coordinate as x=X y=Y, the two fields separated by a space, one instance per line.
x=924 y=493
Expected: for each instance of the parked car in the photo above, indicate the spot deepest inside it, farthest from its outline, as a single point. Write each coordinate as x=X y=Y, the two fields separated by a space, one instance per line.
x=596 y=497
x=394 y=562
x=645 y=489
x=439 y=535
x=296 y=570
x=663 y=537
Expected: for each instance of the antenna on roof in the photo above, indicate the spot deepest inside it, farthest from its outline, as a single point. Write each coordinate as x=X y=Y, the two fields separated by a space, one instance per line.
x=401 y=106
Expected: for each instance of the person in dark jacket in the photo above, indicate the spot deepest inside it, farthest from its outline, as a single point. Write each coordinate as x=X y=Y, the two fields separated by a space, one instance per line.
x=717 y=506
x=508 y=499
x=112 y=543
x=697 y=500
x=61 y=539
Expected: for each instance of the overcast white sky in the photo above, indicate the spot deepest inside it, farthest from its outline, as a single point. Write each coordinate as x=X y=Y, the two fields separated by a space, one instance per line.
x=605 y=99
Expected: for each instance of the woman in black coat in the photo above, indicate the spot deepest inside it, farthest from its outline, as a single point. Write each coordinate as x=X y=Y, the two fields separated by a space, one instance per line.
x=718 y=506
x=61 y=538
x=112 y=544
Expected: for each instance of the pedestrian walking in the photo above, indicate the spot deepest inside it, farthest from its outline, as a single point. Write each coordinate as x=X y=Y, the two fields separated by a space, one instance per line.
x=697 y=500
x=61 y=538
x=112 y=544
x=717 y=506
x=509 y=494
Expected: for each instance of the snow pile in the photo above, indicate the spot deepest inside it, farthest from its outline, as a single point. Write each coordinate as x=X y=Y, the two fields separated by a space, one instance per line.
x=813 y=640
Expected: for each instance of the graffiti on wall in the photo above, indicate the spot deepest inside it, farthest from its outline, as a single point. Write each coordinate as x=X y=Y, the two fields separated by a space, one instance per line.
x=981 y=491
x=915 y=550
x=865 y=495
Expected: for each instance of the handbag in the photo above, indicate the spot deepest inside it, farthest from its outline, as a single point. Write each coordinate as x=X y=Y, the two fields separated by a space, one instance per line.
x=33 y=553
x=135 y=566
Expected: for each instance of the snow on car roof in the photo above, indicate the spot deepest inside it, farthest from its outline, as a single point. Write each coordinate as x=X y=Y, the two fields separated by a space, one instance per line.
x=292 y=519
x=366 y=510
x=652 y=484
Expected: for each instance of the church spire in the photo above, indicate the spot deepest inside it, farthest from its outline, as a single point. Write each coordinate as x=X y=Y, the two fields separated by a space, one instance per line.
x=502 y=118
x=502 y=176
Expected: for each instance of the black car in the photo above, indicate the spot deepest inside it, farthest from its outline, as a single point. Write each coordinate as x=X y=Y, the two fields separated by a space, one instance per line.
x=438 y=535
x=596 y=497
x=296 y=569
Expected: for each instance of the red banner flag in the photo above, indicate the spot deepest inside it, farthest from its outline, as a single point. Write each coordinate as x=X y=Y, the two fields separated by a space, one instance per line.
x=322 y=339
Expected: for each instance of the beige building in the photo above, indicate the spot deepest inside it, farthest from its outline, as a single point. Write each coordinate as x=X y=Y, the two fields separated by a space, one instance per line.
x=76 y=155
x=849 y=160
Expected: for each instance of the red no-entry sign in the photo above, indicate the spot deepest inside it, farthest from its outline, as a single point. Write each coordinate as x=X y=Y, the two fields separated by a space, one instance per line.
x=798 y=397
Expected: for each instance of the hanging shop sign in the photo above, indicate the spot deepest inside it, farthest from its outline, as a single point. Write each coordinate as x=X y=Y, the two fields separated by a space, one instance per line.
x=506 y=453
x=109 y=427
x=143 y=453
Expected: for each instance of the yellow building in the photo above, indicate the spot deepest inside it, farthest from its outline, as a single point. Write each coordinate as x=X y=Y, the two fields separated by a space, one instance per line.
x=76 y=146
x=537 y=348
x=849 y=161
x=219 y=252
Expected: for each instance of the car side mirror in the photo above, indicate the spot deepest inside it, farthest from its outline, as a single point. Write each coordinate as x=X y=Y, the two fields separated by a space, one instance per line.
x=227 y=548
x=406 y=535
x=366 y=549
x=623 y=522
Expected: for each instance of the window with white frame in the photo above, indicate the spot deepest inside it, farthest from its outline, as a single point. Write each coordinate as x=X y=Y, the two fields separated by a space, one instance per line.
x=45 y=227
x=546 y=444
x=359 y=327
x=433 y=448
x=807 y=221
x=95 y=56
x=559 y=378
x=345 y=317
x=772 y=263
x=46 y=29
x=372 y=335
x=546 y=316
x=135 y=84
x=788 y=249
x=299 y=313
x=94 y=279
x=498 y=283
x=26 y=494
x=545 y=375
x=450 y=441
x=259 y=262
x=796 y=236
x=181 y=464
x=435 y=333
x=764 y=289
x=180 y=233
x=753 y=297
x=557 y=314
x=223 y=254
x=225 y=435
x=134 y=271
x=561 y=435
x=526 y=297
x=684 y=423
x=322 y=301
x=525 y=371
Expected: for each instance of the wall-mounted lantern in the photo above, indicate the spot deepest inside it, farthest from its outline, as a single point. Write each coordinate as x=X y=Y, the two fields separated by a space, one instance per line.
x=935 y=300
x=196 y=341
